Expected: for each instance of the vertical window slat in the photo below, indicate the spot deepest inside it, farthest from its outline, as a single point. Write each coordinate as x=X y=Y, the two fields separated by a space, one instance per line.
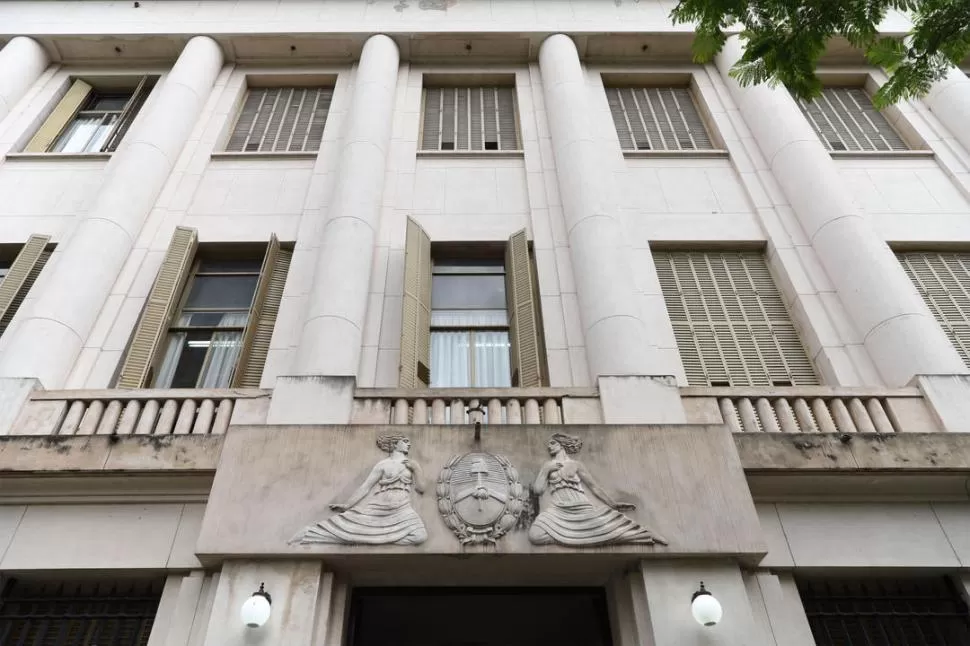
x=657 y=118
x=281 y=119
x=845 y=119
x=943 y=280
x=470 y=119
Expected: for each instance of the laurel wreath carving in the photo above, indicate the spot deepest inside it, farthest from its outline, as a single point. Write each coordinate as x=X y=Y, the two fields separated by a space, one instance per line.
x=469 y=534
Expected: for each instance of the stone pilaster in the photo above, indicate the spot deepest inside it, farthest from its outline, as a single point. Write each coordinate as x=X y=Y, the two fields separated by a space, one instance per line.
x=47 y=340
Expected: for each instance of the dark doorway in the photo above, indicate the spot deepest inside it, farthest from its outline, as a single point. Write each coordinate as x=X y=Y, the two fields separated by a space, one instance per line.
x=479 y=617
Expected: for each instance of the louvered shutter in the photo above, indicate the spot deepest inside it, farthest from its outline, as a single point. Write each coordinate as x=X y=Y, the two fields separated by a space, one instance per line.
x=943 y=280
x=68 y=106
x=469 y=118
x=159 y=309
x=523 y=308
x=730 y=322
x=657 y=118
x=416 y=316
x=281 y=119
x=21 y=276
x=845 y=119
x=262 y=315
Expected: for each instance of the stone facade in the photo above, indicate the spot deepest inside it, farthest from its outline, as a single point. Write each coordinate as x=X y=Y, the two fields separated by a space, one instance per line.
x=749 y=489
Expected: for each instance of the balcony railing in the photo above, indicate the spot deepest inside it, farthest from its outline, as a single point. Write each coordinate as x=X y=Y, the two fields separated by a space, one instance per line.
x=466 y=406
x=811 y=409
x=136 y=412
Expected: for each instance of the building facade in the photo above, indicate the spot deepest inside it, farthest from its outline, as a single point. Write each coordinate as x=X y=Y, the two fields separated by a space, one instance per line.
x=472 y=322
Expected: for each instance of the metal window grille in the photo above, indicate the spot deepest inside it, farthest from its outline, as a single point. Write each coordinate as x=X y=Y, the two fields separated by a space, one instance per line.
x=469 y=118
x=657 y=118
x=846 y=119
x=885 y=612
x=730 y=322
x=281 y=119
x=943 y=280
x=78 y=613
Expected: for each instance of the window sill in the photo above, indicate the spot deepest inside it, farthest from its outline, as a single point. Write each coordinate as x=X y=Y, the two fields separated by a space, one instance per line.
x=264 y=155
x=678 y=154
x=881 y=154
x=65 y=156
x=473 y=154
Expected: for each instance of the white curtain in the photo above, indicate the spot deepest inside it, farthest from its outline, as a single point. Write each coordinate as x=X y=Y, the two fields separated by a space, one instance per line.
x=221 y=355
x=452 y=350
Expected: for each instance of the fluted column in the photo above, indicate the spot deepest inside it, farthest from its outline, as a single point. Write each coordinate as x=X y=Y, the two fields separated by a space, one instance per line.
x=949 y=99
x=47 y=341
x=22 y=61
x=898 y=330
x=617 y=342
x=332 y=335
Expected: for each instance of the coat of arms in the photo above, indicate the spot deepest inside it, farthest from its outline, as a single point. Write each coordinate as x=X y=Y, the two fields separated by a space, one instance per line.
x=480 y=497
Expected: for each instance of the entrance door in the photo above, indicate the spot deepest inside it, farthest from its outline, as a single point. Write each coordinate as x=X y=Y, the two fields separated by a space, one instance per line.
x=479 y=617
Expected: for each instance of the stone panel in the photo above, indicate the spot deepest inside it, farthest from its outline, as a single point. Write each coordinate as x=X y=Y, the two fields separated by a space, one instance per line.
x=275 y=481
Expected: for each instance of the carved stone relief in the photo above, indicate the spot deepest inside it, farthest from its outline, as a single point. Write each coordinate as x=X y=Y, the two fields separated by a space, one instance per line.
x=480 y=497
x=571 y=516
x=379 y=512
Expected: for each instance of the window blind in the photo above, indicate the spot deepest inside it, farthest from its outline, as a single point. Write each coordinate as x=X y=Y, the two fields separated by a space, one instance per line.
x=731 y=324
x=846 y=119
x=943 y=280
x=469 y=118
x=281 y=120
x=657 y=118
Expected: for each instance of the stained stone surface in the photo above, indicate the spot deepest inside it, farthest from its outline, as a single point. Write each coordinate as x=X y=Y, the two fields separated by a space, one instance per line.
x=685 y=481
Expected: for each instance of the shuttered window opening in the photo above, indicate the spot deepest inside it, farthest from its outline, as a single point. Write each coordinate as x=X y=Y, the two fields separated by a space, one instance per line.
x=730 y=322
x=657 y=118
x=209 y=318
x=845 y=119
x=918 y=611
x=470 y=321
x=90 y=120
x=80 y=613
x=17 y=278
x=469 y=118
x=943 y=280
x=281 y=119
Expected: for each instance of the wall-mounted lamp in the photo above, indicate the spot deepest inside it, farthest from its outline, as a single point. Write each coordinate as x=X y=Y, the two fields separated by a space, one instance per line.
x=256 y=609
x=705 y=608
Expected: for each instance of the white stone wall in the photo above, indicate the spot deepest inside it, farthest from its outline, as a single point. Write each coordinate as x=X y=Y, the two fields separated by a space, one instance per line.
x=689 y=201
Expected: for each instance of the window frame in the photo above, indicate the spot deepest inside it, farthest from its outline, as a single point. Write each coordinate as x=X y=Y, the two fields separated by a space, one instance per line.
x=470 y=82
x=290 y=82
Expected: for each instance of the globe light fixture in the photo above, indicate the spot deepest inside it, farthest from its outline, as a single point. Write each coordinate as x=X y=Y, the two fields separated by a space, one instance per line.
x=706 y=609
x=256 y=609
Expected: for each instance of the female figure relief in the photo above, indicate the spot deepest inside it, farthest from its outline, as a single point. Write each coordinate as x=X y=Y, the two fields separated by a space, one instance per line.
x=386 y=517
x=573 y=518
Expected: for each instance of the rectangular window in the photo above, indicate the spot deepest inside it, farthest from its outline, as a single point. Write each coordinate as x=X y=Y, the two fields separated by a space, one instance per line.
x=209 y=317
x=281 y=119
x=469 y=325
x=657 y=118
x=469 y=118
x=18 y=276
x=91 y=119
x=470 y=321
x=917 y=611
x=78 y=613
x=731 y=324
x=943 y=280
x=845 y=119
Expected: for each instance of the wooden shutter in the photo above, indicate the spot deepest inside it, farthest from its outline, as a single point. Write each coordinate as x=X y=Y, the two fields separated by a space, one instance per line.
x=657 y=118
x=160 y=308
x=416 y=317
x=21 y=276
x=844 y=118
x=281 y=119
x=730 y=322
x=943 y=280
x=468 y=118
x=262 y=315
x=68 y=106
x=523 y=307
